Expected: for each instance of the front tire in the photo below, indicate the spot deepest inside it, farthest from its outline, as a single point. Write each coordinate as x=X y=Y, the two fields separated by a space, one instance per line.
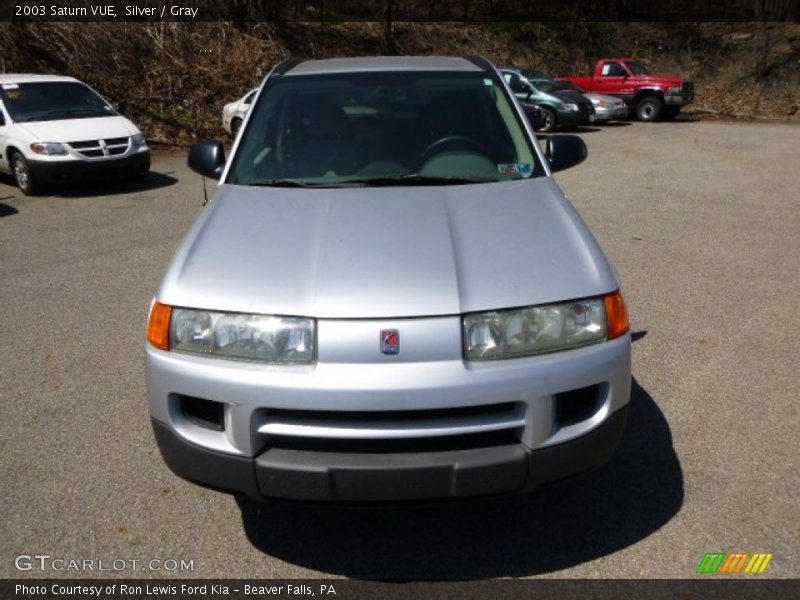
x=648 y=109
x=25 y=180
x=550 y=120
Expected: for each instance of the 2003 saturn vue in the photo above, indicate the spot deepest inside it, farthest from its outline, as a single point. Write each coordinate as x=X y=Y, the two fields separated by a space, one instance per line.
x=388 y=298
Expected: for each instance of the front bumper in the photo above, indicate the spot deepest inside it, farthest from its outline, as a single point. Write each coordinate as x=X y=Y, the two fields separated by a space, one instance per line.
x=77 y=170
x=329 y=476
x=349 y=425
x=680 y=99
x=603 y=115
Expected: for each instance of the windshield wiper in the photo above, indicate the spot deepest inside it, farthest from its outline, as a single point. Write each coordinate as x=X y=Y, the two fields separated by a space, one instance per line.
x=417 y=179
x=74 y=112
x=289 y=183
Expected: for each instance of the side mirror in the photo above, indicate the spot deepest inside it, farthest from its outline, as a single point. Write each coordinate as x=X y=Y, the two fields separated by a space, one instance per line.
x=207 y=158
x=565 y=151
x=120 y=107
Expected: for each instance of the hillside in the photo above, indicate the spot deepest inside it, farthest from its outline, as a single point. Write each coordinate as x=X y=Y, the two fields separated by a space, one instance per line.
x=175 y=77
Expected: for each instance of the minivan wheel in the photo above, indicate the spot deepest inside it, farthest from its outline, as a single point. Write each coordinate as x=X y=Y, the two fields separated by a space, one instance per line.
x=550 y=120
x=648 y=109
x=23 y=176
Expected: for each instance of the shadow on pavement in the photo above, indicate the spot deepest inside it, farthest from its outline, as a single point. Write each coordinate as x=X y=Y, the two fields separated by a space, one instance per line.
x=554 y=528
x=6 y=210
x=152 y=181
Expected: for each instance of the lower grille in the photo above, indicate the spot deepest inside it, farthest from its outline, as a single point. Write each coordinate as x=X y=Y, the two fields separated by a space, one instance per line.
x=393 y=431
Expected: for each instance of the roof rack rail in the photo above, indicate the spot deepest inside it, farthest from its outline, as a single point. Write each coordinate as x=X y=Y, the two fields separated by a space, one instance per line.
x=480 y=62
x=287 y=64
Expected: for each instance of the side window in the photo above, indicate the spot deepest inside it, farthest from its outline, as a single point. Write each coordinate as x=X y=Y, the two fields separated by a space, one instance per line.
x=614 y=69
x=515 y=83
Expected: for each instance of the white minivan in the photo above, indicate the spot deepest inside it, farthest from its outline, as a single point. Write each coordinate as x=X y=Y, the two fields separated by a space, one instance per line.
x=55 y=129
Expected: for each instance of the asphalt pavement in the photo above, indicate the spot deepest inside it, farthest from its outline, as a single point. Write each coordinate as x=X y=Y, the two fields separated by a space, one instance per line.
x=702 y=221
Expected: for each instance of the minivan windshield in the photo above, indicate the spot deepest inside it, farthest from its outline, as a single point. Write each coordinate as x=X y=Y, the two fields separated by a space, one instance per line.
x=53 y=100
x=383 y=128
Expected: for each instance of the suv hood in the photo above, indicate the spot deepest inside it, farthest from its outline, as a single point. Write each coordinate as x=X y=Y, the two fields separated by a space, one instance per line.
x=78 y=130
x=386 y=252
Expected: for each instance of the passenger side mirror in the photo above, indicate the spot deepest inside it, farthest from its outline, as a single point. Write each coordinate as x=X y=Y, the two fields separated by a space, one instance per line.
x=120 y=107
x=207 y=158
x=565 y=151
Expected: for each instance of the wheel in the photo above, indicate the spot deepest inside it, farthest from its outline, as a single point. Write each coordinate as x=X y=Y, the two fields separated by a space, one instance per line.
x=435 y=147
x=23 y=176
x=235 y=125
x=550 y=120
x=648 y=109
x=670 y=112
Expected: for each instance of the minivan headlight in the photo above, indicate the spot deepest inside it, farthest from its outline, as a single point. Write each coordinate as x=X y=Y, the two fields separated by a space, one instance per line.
x=49 y=148
x=240 y=336
x=540 y=329
x=137 y=140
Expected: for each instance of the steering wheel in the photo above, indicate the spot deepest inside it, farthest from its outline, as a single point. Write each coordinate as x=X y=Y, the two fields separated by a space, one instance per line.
x=463 y=140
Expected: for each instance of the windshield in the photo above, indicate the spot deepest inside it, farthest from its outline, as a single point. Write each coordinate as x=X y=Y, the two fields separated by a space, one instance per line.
x=547 y=86
x=638 y=68
x=383 y=128
x=53 y=100
x=569 y=86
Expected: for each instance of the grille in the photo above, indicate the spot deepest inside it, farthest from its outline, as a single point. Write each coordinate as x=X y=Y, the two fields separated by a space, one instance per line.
x=393 y=431
x=101 y=148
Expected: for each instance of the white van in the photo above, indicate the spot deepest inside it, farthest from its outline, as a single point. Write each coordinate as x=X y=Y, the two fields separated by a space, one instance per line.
x=55 y=129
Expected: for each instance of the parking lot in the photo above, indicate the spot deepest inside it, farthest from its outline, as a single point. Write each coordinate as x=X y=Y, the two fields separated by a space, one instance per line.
x=702 y=221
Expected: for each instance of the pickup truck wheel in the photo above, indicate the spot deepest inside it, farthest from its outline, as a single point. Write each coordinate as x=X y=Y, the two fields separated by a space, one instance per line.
x=649 y=109
x=23 y=176
x=550 y=120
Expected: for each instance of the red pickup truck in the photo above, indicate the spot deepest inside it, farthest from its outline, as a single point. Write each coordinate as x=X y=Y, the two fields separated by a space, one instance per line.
x=651 y=96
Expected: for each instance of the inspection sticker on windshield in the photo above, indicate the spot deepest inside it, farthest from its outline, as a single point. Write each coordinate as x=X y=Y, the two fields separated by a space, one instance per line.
x=10 y=86
x=514 y=168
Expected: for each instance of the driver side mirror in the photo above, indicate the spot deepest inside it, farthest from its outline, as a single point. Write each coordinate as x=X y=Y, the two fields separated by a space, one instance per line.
x=207 y=158
x=565 y=151
x=120 y=107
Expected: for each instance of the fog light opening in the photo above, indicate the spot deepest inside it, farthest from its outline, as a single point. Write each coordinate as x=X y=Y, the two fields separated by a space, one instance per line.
x=577 y=405
x=207 y=414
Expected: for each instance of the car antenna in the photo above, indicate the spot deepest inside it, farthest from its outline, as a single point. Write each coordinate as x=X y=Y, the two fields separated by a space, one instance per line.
x=205 y=193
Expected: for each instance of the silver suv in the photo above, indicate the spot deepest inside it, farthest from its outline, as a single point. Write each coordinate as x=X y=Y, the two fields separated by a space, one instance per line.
x=388 y=298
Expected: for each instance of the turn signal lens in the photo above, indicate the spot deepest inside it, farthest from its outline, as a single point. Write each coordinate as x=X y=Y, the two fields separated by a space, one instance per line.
x=617 y=315
x=158 y=326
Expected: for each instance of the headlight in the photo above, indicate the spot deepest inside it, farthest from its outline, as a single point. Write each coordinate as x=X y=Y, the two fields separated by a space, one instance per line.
x=567 y=106
x=262 y=338
x=602 y=104
x=138 y=140
x=541 y=329
x=49 y=148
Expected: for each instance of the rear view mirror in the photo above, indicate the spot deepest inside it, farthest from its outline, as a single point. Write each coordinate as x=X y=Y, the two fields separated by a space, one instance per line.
x=565 y=151
x=207 y=158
